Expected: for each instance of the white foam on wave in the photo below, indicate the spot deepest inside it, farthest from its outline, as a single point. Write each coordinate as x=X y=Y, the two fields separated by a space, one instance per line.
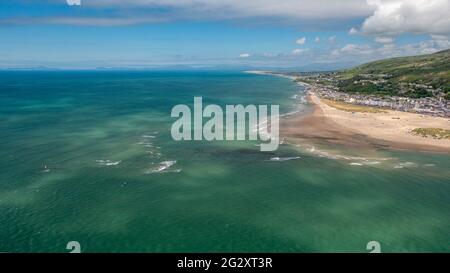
x=164 y=166
x=108 y=163
x=354 y=160
x=290 y=113
x=405 y=165
x=303 y=100
x=284 y=158
x=364 y=163
x=148 y=143
x=373 y=162
x=154 y=153
x=262 y=126
x=304 y=84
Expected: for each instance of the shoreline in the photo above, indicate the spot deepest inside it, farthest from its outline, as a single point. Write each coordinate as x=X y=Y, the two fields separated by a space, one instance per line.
x=388 y=130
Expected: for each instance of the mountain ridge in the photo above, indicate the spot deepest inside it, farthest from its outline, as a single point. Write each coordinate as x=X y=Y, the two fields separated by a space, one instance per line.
x=414 y=76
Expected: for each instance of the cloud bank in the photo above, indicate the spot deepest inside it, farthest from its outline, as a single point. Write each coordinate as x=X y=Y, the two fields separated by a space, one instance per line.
x=394 y=17
x=250 y=8
x=128 y=12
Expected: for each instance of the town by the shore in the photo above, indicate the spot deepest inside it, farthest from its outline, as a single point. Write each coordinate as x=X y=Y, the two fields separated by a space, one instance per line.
x=395 y=129
x=353 y=124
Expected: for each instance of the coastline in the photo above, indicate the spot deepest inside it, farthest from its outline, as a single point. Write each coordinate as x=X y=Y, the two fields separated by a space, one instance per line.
x=390 y=129
x=387 y=129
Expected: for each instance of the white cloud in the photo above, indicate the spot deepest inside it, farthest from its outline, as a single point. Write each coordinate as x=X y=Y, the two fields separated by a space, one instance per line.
x=332 y=39
x=353 y=31
x=268 y=54
x=317 y=40
x=237 y=8
x=128 y=12
x=354 y=49
x=425 y=47
x=393 y=17
x=73 y=2
x=299 y=51
x=82 y=21
x=384 y=40
x=244 y=55
x=440 y=42
x=301 y=41
x=366 y=52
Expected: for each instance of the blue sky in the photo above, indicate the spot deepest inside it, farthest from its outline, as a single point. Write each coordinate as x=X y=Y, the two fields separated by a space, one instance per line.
x=259 y=33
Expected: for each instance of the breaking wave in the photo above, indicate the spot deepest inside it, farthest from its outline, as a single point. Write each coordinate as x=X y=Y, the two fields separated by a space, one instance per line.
x=164 y=166
x=284 y=158
x=107 y=163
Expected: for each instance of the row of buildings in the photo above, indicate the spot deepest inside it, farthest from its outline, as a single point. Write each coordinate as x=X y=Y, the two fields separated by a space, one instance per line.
x=325 y=84
x=431 y=105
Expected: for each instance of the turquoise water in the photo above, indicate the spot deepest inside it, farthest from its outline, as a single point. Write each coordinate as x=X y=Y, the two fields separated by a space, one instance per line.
x=88 y=157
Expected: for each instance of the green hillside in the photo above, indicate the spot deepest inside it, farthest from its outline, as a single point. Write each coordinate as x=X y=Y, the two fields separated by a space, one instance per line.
x=417 y=76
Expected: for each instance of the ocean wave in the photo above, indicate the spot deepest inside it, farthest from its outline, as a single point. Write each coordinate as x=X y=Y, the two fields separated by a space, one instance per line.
x=303 y=100
x=373 y=162
x=304 y=84
x=405 y=165
x=284 y=158
x=107 y=162
x=364 y=163
x=355 y=160
x=148 y=143
x=165 y=166
x=157 y=154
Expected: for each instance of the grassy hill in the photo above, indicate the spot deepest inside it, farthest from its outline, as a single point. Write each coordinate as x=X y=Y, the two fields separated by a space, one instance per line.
x=416 y=76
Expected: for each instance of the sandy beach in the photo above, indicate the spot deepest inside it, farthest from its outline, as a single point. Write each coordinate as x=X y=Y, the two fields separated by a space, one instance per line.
x=389 y=129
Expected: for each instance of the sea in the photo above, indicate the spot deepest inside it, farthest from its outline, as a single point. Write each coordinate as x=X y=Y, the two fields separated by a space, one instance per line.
x=88 y=156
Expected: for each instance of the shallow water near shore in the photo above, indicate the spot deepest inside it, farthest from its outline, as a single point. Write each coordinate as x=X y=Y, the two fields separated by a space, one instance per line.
x=88 y=157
